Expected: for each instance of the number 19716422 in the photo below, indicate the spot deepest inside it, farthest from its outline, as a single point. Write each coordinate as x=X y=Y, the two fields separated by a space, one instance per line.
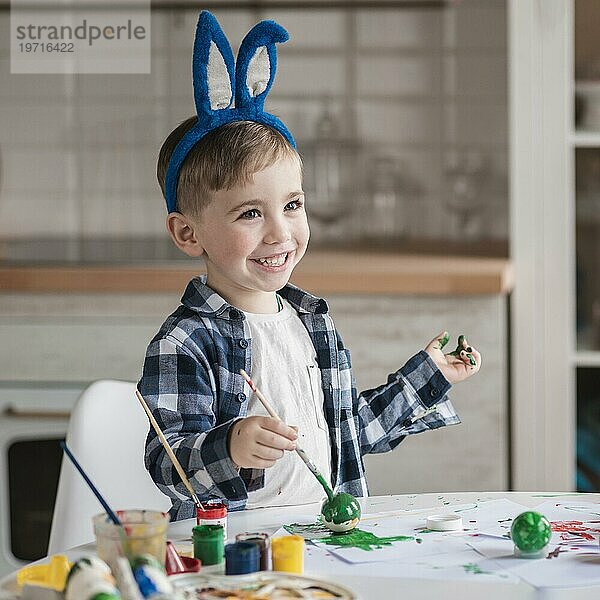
x=45 y=47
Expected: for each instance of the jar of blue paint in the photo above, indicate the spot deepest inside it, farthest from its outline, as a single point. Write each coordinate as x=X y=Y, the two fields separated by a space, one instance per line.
x=241 y=558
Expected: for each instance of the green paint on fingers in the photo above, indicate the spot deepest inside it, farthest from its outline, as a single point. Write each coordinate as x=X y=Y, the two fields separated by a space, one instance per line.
x=443 y=340
x=464 y=346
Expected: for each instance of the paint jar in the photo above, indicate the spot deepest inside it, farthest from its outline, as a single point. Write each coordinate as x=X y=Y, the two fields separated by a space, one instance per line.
x=150 y=577
x=52 y=575
x=288 y=553
x=212 y=513
x=262 y=541
x=208 y=544
x=90 y=578
x=175 y=564
x=242 y=558
x=143 y=532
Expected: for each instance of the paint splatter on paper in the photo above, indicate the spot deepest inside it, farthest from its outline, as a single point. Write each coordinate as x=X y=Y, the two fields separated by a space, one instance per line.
x=357 y=538
x=575 y=529
x=309 y=531
x=556 y=552
x=475 y=569
x=365 y=540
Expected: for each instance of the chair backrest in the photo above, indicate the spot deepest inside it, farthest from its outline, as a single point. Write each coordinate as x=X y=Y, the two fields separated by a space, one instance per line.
x=106 y=433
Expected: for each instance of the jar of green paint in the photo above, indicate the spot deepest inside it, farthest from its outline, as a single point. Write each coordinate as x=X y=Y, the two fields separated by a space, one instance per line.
x=209 y=544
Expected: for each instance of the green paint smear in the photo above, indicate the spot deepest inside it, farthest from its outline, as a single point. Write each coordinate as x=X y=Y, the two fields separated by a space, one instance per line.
x=364 y=540
x=326 y=487
x=309 y=531
x=475 y=569
x=557 y=495
x=581 y=509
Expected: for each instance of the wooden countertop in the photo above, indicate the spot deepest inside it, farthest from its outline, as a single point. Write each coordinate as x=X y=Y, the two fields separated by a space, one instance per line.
x=321 y=272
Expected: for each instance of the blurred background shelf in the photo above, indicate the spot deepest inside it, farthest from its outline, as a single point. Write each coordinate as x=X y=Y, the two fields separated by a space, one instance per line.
x=322 y=272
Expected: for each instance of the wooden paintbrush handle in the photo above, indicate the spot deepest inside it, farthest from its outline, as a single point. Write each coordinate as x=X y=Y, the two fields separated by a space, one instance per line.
x=167 y=447
x=299 y=451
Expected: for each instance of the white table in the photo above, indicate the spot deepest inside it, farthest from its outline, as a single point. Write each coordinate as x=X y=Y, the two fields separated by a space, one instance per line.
x=368 y=588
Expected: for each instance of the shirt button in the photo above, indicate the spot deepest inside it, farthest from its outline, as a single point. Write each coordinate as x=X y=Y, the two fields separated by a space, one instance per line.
x=434 y=393
x=241 y=396
x=234 y=314
x=243 y=343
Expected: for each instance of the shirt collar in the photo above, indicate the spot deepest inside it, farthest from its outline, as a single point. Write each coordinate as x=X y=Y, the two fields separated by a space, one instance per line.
x=205 y=301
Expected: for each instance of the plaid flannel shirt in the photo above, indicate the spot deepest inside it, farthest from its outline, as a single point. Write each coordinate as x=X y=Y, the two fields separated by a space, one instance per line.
x=192 y=384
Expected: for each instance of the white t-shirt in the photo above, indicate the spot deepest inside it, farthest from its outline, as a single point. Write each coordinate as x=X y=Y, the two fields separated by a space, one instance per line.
x=285 y=370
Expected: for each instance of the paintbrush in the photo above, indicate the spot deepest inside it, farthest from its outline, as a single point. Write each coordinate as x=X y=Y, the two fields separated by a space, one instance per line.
x=301 y=453
x=165 y=443
x=112 y=515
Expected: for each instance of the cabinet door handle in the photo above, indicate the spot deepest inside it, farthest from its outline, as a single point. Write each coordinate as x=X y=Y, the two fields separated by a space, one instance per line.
x=21 y=413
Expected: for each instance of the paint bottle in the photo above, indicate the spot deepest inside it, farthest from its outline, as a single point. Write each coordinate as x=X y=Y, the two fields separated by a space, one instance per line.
x=52 y=575
x=288 y=553
x=151 y=578
x=121 y=569
x=208 y=544
x=90 y=579
x=242 y=558
x=213 y=513
x=263 y=542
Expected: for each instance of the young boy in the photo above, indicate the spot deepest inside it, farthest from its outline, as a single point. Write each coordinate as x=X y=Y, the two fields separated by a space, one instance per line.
x=240 y=206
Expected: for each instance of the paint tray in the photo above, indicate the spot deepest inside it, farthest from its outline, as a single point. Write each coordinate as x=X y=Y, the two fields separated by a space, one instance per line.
x=265 y=584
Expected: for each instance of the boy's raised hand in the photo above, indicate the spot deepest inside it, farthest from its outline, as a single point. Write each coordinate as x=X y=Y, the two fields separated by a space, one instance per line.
x=457 y=365
x=257 y=442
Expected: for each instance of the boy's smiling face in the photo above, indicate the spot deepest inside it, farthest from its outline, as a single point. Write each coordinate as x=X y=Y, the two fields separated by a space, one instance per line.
x=252 y=236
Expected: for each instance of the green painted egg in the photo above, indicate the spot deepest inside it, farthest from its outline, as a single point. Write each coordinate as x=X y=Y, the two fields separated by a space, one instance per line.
x=341 y=513
x=530 y=532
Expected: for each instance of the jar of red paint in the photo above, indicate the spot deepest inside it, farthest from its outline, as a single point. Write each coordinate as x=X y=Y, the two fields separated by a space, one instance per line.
x=212 y=513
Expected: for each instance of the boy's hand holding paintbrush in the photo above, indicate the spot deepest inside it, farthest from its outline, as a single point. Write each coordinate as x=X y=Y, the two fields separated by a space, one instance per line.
x=257 y=442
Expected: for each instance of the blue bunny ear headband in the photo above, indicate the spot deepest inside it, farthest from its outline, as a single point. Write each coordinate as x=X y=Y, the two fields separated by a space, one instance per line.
x=215 y=78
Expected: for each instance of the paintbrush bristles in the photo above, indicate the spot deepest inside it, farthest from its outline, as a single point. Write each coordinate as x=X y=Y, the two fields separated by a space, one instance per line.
x=167 y=447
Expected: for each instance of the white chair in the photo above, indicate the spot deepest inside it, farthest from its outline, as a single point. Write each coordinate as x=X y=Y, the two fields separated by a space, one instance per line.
x=106 y=433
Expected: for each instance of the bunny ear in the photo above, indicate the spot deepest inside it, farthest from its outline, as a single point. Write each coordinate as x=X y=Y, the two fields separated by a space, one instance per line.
x=212 y=67
x=256 y=64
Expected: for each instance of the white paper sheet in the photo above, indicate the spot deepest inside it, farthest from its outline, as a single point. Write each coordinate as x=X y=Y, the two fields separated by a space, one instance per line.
x=475 y=517
x=574 y=561
x=480 y=552
x=463 y=565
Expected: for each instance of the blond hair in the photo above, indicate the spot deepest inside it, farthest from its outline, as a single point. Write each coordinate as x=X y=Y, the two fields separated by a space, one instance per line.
x=225 y=157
